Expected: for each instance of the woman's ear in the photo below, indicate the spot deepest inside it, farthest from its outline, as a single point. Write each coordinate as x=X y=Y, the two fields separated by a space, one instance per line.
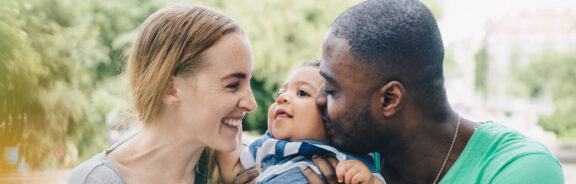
x=171 y=97
x=392 y=98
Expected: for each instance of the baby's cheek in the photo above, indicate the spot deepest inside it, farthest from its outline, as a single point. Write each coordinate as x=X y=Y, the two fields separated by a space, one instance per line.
x=271 y=116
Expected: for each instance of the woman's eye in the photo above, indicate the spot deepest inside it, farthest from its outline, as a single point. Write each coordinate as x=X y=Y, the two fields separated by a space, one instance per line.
x=233 y=85
x=302 y=93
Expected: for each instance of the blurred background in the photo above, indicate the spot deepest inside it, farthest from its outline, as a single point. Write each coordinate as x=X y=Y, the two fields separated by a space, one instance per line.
x=63 y=97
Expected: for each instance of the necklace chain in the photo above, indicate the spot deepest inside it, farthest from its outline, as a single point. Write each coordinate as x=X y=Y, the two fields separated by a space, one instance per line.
x=449 y=151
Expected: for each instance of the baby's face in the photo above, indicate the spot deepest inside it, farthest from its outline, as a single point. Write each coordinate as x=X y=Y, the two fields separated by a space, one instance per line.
x=295 y=115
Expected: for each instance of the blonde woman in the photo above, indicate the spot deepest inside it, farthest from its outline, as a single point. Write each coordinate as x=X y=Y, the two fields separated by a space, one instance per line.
x=189 y=73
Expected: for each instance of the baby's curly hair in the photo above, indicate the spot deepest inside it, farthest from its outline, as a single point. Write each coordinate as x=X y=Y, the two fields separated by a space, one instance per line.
x=312 y=63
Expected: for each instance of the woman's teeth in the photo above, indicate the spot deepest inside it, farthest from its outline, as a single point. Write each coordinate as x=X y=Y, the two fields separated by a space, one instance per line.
x=233 y=122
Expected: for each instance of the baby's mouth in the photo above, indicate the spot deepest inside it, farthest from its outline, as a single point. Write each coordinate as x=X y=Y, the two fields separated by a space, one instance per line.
x=282 y=114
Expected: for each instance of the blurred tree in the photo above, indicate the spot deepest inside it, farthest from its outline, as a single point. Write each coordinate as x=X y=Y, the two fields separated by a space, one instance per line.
x=552 y=74
x=45 y=66
x=57 y=56
x=116 y=22
x=481 y=69
x=61 y=63
x=435 y=6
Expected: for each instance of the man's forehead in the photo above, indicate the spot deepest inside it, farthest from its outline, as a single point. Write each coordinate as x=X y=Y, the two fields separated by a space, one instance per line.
x=335 y=47
x=338 y=62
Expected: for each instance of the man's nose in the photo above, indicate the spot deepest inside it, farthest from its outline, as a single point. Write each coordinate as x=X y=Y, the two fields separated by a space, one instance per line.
x=321 y=97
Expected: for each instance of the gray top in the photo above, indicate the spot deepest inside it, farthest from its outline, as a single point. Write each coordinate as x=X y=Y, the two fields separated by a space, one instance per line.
x=98 y=169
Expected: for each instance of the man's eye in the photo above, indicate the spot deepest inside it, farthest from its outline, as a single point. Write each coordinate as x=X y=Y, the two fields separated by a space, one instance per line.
x=233 y=85
x=302 y=93
x=329 y=92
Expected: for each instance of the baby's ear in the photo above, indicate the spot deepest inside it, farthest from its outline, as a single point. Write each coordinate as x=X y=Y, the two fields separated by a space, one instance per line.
x=171 y=96
x=392 y=98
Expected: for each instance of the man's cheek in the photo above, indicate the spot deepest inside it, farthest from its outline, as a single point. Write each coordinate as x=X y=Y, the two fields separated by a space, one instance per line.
x=337 y=116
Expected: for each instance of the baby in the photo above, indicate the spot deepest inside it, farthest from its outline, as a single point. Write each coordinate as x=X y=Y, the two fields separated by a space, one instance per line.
x=296 y=132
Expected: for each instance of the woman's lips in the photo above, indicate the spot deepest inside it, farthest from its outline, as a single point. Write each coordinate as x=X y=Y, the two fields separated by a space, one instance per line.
x=232 y=122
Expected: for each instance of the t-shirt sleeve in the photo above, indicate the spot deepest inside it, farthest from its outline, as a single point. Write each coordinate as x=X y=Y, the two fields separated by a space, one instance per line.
x=535 y=168
x=97 y=170
x=102 y=175
x=94 y=174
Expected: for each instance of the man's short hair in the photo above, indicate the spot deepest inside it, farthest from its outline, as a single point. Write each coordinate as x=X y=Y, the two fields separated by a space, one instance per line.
x=396 y=40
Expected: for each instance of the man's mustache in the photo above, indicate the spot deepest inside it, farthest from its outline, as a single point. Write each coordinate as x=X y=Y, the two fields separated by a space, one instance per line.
x=324 y=114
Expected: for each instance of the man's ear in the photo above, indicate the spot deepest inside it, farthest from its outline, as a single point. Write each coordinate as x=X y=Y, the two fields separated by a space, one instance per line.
x=392 y=98
x=171 y=97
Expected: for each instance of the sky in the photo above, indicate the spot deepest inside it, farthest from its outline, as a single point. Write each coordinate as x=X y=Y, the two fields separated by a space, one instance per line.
x=463 y=18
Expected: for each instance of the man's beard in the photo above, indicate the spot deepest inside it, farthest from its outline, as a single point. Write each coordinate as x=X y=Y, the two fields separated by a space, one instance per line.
x=364 y=134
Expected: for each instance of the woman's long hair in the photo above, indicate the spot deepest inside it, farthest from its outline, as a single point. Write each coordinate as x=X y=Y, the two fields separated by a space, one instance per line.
x=208 y=170
x=169 y=44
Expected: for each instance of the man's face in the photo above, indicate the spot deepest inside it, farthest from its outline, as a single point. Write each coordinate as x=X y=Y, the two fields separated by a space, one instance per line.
x=345 y=99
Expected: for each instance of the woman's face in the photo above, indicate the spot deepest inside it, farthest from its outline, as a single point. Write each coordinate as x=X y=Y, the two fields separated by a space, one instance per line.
x=214 y=99
x=295 y=115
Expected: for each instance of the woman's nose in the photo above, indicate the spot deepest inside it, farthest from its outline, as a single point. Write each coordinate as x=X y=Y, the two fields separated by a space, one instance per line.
x=248 y=102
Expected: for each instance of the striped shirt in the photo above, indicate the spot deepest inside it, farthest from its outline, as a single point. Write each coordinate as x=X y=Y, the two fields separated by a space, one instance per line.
x=281 y=159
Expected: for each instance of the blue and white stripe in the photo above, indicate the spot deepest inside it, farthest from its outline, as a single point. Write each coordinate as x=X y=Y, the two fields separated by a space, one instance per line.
x=281 y=159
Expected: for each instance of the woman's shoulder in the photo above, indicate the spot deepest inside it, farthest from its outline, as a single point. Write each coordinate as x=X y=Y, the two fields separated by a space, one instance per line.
x=97 y=169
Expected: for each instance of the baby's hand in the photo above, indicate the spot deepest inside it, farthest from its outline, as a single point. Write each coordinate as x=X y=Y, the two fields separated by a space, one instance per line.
x=354 y=172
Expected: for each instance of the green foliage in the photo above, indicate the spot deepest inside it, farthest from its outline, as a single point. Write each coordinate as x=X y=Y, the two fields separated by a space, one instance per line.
x=481 y=69
x=45 y=67
x=257 y=120
x=61 y=61
x=435 y=7
x=555 y=74
x=57 y=56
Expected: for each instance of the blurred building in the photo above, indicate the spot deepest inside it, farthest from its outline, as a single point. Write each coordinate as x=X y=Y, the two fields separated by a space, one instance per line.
x=520 y=37
x=507 y=34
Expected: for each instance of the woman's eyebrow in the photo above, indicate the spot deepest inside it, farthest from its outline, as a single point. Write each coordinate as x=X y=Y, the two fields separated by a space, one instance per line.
x=234 y=75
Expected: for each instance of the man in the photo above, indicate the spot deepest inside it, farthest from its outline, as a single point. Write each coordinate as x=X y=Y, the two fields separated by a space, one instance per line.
x=384 y=92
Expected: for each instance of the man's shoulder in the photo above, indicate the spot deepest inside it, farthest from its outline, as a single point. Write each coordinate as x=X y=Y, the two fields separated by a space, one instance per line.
x=498 y=153
x=95 y=170
x=496 y=138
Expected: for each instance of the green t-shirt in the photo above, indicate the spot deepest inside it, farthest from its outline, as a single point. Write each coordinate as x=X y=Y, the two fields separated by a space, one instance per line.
x=497 y=154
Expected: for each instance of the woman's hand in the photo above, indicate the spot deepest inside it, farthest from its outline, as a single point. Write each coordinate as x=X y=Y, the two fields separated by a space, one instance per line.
x=326 y=165
x=248 y=176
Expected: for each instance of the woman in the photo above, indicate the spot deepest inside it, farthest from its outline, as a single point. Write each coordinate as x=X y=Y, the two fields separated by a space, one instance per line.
x=189 y=73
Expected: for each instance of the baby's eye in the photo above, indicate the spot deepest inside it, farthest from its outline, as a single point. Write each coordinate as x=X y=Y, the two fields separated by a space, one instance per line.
x=302 y=93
